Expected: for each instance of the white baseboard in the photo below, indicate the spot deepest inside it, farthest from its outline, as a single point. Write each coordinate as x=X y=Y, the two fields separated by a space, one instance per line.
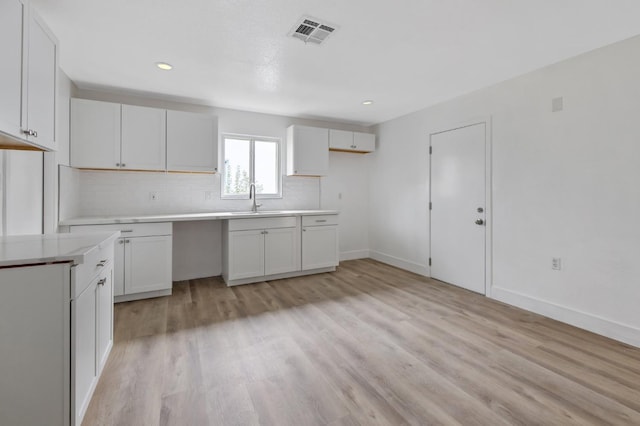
x=354 y=254
x=598 y=325
x=416 y=268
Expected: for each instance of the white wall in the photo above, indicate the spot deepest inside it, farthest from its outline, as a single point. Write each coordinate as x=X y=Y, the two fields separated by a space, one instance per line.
x=565 y=184
x=346 y=189
x=115 y=193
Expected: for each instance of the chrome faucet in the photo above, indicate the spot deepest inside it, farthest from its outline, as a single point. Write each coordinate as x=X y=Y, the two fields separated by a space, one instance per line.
x=254 y=207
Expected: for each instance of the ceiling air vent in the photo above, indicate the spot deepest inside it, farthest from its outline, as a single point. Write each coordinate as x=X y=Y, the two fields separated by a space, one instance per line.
x=311 y=30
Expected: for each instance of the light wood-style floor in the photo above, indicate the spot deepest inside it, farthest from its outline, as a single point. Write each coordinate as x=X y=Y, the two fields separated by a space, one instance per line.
x=367 y=345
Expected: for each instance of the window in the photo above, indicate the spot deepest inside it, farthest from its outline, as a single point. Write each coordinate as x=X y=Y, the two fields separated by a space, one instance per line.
x=250 y=159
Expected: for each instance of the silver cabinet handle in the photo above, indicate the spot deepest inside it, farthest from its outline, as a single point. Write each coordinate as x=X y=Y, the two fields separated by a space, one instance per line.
x=102 y=263
x=123 y=165
x=127 y=230
x=127 y=241
x=321 y=220
x=479 y=222
x=121 y=241
x=304 y=229
x=30 y=132
x=102 y=281
x=117 y=164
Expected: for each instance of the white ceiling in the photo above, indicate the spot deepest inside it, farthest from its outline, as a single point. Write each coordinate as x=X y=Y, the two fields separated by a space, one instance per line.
x=403 y=54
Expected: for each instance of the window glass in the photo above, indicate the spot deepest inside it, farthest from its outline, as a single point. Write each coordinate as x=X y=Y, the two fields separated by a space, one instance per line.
x=236 y=166
x=266 y=167
x=246 y=160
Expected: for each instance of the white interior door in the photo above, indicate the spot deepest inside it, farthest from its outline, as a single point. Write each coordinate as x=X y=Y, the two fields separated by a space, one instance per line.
x=458 y=198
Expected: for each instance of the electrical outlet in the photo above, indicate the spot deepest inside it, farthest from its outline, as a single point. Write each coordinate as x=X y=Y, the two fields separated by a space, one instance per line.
x=556 y=263
x=153 y=196
x=208 y=195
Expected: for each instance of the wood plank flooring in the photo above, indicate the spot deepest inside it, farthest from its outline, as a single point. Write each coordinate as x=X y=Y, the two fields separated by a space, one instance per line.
x=367 y=345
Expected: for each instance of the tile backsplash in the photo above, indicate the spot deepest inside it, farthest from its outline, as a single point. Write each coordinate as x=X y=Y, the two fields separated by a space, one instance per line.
x=109 y=193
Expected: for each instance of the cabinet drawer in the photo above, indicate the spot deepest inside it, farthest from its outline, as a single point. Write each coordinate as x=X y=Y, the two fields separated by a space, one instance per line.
x=262 y=223
x=325 y=219
x=127 y=229
x=96 y=261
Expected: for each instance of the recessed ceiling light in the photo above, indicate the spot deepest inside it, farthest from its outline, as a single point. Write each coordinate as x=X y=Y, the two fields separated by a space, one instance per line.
x=367 y=102
x=164 y=66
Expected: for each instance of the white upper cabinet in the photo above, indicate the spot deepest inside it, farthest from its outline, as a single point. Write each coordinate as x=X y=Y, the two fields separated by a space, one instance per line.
x=341 y=140
x=192 y=142
x=307 y=151
x=143 y=138
x=364 y=142
x=95 y=134
x=27 y=77
x=41 y=90
x=11 y=18
x=107 y=135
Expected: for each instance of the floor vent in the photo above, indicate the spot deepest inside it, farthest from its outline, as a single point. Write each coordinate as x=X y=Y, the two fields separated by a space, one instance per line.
x=311 y=30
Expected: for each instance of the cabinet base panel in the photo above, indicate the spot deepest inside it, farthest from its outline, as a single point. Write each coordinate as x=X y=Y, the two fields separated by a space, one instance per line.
x=231 y=283
x=139 y=296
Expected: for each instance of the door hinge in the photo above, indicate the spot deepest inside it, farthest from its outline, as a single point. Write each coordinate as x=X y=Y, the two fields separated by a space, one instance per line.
x=429 y=261
x=430 y=205
x=430 y=150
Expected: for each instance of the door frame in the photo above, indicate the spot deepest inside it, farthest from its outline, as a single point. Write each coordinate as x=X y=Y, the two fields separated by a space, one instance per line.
x=488 y=244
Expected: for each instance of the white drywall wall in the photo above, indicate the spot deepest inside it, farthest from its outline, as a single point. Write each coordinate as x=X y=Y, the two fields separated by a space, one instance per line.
x=565 y=184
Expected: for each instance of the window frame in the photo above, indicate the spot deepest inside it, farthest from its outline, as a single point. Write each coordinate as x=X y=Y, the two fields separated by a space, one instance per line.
x=252 y=140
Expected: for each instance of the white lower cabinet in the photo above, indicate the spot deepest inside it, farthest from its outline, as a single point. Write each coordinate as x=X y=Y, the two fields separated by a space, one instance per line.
x=261 y=247
x=281 y=250
x=143 y=259
x=270 y=248
x=246 y=254
x=56 y=322
x=319 y=242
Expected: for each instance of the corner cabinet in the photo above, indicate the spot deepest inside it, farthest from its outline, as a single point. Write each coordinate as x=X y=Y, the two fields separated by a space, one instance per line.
x=307 y=151
x=143 y=259
x=357 y=142
x=58 y=318
x=27 y=78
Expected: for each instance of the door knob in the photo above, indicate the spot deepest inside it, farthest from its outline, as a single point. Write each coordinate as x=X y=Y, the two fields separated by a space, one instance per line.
x=479 y=222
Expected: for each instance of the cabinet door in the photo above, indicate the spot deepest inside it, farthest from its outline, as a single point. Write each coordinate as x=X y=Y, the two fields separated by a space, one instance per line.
x=192 y=142
x=95 y=134
x=246 y=254
x=118 y=268
x=365 y=142
x=11 y=21
x=41 y=84
x=340 y=139
x=319 y=247
x=147 y=264
x=308 y=151
x=104 y=318
x=281 y=250
x=83 y=355
x=143 y=138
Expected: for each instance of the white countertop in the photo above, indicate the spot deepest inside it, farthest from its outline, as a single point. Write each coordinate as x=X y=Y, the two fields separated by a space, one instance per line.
x=180 y=217
x=18 y=250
